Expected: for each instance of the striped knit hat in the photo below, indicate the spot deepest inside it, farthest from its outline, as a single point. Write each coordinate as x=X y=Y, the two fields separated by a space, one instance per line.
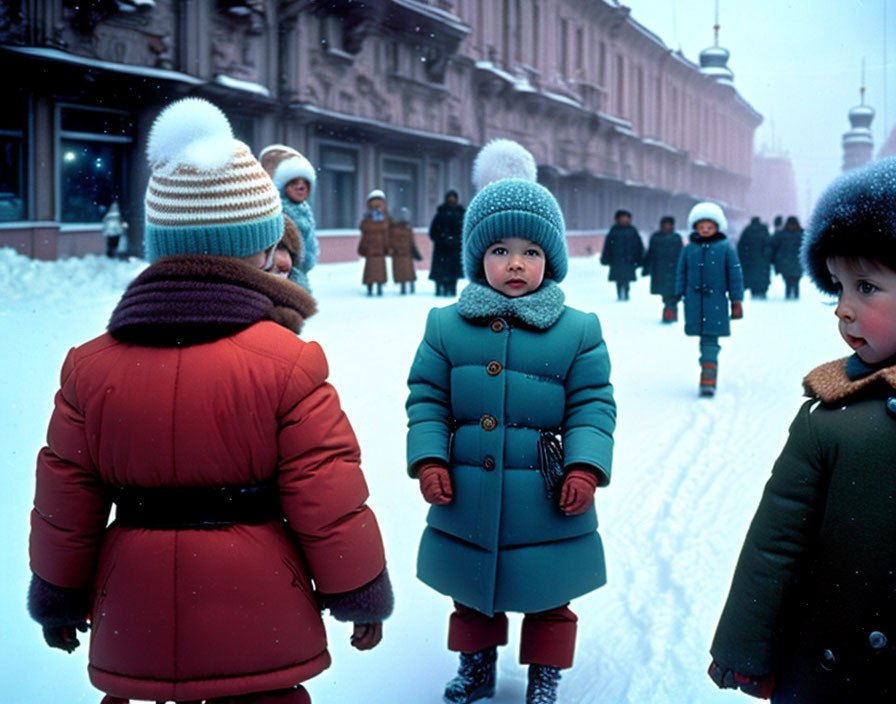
x=207 y=194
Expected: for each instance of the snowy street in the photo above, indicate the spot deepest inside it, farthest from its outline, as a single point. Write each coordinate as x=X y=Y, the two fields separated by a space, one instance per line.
x=687 y=475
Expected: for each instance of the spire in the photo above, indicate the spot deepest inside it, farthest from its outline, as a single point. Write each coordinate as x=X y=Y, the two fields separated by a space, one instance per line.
x=858 y=143
x=714 y=60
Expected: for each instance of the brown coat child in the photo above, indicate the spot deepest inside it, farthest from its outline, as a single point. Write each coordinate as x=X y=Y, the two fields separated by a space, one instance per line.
x=403 y=251
x=374 y=242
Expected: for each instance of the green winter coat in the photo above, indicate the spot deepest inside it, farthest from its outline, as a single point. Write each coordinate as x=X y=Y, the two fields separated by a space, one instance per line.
x=812 y=593
x=482 y=390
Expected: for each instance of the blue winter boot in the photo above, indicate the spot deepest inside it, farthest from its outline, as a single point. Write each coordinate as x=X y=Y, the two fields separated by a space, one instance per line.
x=543 y=681
x=475 y=677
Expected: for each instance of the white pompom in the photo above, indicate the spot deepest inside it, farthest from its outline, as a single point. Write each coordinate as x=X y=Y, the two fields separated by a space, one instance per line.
x=503 y=158
x=191 y=132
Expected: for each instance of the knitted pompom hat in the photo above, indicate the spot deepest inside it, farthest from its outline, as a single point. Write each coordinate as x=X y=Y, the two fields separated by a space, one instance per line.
x=207 y=194
x=283 y=164
x=511 y=204
x=708 y=211
x=854 y=217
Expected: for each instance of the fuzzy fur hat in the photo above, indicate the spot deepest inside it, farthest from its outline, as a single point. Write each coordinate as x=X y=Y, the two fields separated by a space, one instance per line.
x=854 y=217
x=291 y=239
x=708 y=211
x=511 y=204
x=284 y=164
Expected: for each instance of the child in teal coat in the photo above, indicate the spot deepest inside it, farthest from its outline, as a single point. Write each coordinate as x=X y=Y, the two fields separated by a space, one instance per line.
x=709 y=276
x=511 y=417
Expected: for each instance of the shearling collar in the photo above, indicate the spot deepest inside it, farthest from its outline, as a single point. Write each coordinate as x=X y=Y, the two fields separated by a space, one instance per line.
x=830 y=382
x=540 y=309
x=187 y=300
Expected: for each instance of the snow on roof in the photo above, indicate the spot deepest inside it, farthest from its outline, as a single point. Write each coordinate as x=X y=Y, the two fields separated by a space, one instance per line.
x=237 y=84
x=57 y=55
x=308 y=107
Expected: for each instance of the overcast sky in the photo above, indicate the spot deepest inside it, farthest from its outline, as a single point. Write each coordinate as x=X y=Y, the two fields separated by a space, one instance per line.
x=799 y=63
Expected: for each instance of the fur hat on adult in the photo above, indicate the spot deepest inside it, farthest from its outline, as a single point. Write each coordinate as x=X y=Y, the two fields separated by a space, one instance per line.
x=708 y=211
x=854 y=217
x=511 y=204
x=284 y=164
x=375 y=193
x=206 y=194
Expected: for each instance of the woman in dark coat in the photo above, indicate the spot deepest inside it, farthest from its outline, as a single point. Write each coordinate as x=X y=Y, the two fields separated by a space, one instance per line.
x=623 y=251
x=661 y=263
x=445 y=232
x=754 y=252
x=786 y=256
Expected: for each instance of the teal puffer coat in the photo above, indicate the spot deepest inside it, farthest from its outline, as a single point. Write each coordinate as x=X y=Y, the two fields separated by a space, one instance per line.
x=482 y=392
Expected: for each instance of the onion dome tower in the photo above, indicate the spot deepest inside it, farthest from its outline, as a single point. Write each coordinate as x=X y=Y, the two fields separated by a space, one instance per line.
x=858 y=143
x=714 y=59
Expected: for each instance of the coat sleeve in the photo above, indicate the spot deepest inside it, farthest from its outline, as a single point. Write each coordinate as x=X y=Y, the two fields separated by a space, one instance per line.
x=71 y=508
x=590 y=413
x=310 y=247
x=734 y=275
x=681 y=273
x=428 y=406
x=322 y=488
x=773 y=552
x=607 y=250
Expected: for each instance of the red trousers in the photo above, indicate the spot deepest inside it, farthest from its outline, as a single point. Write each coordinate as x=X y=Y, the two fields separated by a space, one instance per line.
x=548 y=637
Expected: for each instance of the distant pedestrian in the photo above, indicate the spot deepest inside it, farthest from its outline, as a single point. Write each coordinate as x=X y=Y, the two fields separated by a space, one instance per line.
x=294 y=177
x=403 y=251
x=375 y=241
x=786 y=256
x=661 y=263
x=445 y=233
x=623 y=252
x=114 y=229
x=709 y=275
x=754 y=250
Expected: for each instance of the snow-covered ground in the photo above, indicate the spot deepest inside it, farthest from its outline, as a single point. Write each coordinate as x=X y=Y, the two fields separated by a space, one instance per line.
x=687 y=475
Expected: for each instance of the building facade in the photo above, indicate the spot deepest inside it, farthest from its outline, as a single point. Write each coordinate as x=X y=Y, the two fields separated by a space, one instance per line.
x=391 y=94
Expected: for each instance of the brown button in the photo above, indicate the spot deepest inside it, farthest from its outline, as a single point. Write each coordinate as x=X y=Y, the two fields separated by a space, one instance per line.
x=488 y=463
x=497 y=325
x=488 y=422
x=494 y=368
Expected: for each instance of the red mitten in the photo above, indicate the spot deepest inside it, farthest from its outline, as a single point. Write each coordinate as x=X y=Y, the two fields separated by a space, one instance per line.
x=577 y=493
x=435 y=484
x=759 y=687
x=737 y=310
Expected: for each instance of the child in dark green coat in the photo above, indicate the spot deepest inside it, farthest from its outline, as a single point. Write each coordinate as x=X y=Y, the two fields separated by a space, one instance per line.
x=811 y=615
x=510 y=431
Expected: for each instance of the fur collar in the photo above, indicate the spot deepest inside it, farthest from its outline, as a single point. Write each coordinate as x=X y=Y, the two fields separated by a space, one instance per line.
x=540 y=309
x=187 y=300
x=833 y=382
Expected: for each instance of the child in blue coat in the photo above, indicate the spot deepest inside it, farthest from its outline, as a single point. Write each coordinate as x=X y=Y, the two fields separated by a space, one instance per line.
x=709 y=275
x=510 y=430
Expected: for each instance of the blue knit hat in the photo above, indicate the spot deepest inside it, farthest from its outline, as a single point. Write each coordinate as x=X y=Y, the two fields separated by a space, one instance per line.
x=207 y=194
x=511 y=204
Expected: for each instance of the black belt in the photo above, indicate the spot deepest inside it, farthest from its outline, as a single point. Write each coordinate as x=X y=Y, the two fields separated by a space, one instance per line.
x=174 y=508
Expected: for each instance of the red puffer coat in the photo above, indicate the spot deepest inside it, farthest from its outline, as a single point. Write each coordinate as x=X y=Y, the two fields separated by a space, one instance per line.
x=199 y=613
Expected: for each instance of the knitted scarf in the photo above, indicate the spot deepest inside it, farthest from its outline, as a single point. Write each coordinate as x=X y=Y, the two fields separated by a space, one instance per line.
x=303 y=217
x=539 y=309
x=188 y=300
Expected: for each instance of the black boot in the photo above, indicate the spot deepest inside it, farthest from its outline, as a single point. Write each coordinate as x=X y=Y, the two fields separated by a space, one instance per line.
x=379 y=289
x=369 y=289
x=543 y=681
x=403 y=287
x=475 y=677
